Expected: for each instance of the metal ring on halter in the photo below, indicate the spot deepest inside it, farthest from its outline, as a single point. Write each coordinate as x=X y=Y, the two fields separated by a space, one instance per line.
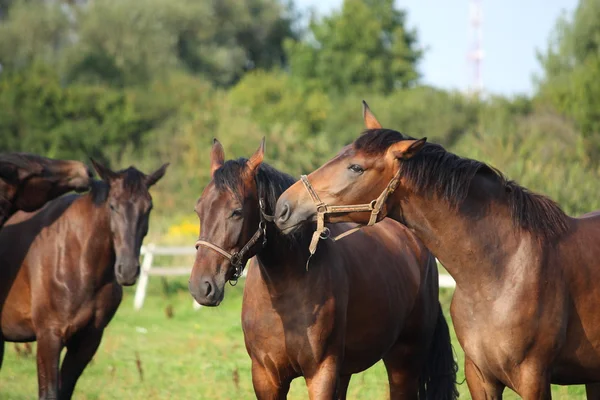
x=262 y=207
x=373 y=203
x=325 y=234
x=236 y=262
x=262 y=226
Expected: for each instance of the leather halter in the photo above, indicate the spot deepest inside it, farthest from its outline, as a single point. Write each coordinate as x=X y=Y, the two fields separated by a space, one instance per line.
x=240 y=258
x=322 y=232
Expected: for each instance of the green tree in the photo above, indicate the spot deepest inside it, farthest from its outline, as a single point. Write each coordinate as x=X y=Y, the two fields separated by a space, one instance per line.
x=571 y=66
x=273 y=98
x=38 y=114
x=31 y=32
x=366 y=45
x=129 y=42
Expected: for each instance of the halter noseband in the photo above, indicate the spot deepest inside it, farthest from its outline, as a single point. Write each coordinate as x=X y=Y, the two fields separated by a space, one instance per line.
x=322 y=232
x=240 y=258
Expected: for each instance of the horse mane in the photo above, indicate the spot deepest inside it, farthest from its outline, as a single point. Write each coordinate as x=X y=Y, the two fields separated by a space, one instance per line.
x=270 y=184
x=99 y=192
x=134 y=181
x=435 y=170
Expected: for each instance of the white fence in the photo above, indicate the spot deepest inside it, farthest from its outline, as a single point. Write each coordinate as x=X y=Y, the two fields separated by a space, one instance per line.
x=149 y=269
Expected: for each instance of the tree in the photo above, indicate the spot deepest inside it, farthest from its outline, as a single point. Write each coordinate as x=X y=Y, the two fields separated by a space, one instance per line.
x=274 y=99
x=39 y=115
x=366 y=45
x=32 y=31
x=130 y=42
x=571 y=66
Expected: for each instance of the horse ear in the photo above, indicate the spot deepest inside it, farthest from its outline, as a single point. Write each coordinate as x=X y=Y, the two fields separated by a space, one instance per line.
x=217 y=157
x=105 y=173
x=156 y=175
x=369 y=118
x=257 y=158
x=406 y=149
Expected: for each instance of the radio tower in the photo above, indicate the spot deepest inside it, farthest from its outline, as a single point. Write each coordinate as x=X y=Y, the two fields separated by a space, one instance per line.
x=475 y=55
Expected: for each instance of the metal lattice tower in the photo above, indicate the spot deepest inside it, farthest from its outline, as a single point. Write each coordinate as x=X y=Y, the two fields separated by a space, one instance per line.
x=475 y=54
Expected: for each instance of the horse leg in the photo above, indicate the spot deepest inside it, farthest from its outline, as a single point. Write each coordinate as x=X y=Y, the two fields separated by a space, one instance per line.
x=80 y=350
x=48 y=356
x=342 y=390
x=403 y=374
x=323 y=382
x=482 y=387
x=268 y=386
x=534 y=383
x=592 y=391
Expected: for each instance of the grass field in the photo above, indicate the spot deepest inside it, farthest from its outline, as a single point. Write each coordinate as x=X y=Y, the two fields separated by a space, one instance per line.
x=185 y=354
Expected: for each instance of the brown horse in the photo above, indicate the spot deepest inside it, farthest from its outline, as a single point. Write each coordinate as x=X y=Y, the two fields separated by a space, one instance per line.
x=71 y=258
x=526 y=302
x=333 y=320
x=28 y=181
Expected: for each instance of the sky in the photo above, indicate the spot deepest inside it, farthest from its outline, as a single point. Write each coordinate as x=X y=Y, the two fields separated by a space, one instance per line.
x=513 y=30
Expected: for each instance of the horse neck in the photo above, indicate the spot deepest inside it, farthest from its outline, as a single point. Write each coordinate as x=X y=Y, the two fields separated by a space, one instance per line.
x=476 y=241
x=282 y=261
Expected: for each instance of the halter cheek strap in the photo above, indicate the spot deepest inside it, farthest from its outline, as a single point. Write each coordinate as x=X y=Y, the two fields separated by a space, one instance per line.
x=240 y=258
x=322 y=232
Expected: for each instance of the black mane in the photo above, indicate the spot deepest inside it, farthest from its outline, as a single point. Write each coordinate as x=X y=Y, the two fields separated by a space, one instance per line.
x=270 y=183
x=99 y=192
x=435 y=170
x=134 y=181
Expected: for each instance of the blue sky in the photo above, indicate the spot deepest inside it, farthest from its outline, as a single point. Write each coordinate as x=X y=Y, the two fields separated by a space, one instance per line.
x=512 y=32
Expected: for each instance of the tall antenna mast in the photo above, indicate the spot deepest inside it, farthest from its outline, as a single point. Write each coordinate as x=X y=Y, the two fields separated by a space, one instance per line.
x=475 y=54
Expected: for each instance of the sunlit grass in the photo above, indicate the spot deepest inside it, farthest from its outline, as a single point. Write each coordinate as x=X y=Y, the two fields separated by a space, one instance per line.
x=192 y=355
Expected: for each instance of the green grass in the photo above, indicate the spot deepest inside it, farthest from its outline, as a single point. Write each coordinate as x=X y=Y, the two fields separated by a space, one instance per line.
x=193 y=355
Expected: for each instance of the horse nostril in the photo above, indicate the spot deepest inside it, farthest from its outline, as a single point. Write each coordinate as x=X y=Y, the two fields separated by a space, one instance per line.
x=207 y=288
x=284 y=215
x=120 y=269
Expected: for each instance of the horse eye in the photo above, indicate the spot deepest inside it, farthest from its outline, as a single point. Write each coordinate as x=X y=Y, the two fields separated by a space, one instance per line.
x=237 y=213
x=356 y=168
x=112 y=207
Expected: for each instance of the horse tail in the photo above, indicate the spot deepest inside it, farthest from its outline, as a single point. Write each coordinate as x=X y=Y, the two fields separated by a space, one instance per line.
x=438 y=380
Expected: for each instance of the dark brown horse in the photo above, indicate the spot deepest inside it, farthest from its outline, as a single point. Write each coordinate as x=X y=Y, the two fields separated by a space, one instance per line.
x=338 y=317
x=526 y=302
x=72 y=258
x=28 y=181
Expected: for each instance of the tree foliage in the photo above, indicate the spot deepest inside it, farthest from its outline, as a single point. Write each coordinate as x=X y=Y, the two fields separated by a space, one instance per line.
x=571 y=64
x=365 y=46
x=152 y=81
